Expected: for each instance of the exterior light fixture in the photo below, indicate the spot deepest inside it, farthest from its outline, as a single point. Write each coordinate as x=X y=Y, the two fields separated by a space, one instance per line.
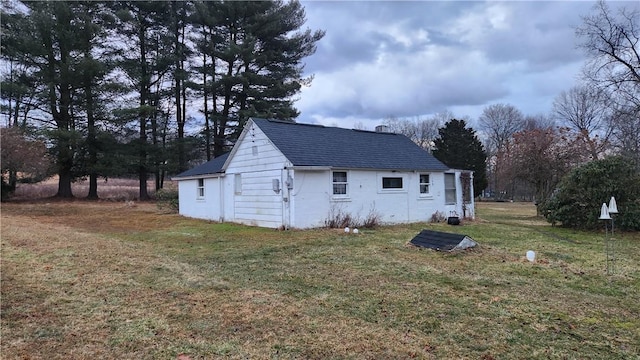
x=613 y=207
x=604 y=213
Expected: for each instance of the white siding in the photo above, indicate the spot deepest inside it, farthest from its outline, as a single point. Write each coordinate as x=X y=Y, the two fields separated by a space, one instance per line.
x=258 y=162
x=313 y=201
x=207 y=207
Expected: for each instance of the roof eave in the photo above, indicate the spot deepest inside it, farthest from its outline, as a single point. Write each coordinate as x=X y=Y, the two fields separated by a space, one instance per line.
x=308 y=168
x=199 y=176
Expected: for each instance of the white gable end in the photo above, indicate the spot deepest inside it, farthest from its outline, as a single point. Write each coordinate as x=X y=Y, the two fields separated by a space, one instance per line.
x=253 y=167
x=254 y=152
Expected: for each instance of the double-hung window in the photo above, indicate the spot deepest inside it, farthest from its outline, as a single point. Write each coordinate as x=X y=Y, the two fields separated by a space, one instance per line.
x=200 y=188
x=424 y=184
x=340 y=183
x=450 y=188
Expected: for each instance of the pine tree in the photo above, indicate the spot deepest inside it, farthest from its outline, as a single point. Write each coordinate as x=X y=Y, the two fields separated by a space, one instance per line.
x=459 y=148
x=145 y=59
x=45 y=40
x=255 y=51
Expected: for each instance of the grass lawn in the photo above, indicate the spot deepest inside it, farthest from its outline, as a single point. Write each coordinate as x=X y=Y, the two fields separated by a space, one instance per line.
x=110 y=281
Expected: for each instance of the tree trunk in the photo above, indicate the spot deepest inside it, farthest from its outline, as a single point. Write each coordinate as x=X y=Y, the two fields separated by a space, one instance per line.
x=91 y=142
x=144 y=95
x=64 y=182
x=207 y=132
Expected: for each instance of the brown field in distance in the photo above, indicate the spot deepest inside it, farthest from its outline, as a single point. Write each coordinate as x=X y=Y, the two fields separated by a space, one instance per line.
x=113 y=189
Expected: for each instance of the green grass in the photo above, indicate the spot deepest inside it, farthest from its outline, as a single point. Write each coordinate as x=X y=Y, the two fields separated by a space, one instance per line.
x=111 y=281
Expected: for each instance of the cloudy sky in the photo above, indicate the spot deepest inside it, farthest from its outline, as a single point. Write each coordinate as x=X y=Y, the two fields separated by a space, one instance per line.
x=406 y=59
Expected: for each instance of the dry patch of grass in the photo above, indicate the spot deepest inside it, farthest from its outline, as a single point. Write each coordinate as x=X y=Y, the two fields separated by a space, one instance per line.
x=109 y=280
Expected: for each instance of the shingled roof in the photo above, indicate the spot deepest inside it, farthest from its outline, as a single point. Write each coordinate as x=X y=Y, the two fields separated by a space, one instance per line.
x=211 y=167
x=317 y=145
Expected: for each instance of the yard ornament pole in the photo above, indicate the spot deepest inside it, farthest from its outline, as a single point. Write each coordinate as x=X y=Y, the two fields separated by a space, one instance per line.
x=604 y=215
x=613 y=209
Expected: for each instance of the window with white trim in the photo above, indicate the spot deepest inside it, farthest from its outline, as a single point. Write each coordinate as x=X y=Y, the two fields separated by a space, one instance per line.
x=392 y=182
x=450 y=196
x=424 y=184
x=340 y=183
x=200 y=188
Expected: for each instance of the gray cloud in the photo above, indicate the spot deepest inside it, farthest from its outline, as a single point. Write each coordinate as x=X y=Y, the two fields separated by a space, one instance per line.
x=413 y=58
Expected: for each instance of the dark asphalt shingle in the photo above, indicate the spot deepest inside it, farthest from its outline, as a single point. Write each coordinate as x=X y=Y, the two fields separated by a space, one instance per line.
x=316 y=145
x=212 y=166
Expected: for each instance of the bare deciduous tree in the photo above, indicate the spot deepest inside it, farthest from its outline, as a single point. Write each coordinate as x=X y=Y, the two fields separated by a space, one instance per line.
x=611 y=39
x=540 y=121
x=612 y=42
x=583 y=109
x=626 y=132
x=21 y=158
x=499 y=122
x=540 y=157
x=421 y=131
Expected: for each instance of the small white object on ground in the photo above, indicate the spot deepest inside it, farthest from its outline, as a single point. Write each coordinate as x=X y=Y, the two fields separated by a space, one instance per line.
x=531 y=255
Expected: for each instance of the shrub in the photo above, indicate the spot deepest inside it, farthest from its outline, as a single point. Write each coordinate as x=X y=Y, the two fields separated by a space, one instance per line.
x=167 y=199
x=438 y=216
x=579 y=197
x=338 y=219
x=372 y=220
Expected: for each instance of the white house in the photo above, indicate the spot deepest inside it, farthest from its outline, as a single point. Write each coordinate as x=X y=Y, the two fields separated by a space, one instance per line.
x=290 y=175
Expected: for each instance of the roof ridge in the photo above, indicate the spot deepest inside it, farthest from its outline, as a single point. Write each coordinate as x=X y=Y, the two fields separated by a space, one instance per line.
x=277 y=121
x=374 y=132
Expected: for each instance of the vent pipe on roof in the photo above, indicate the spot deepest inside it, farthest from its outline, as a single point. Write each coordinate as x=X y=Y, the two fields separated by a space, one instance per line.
x=382 y=129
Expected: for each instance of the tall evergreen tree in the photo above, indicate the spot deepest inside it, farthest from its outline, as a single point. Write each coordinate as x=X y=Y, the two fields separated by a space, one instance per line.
x=145 y=59
x=256 y=62
x=45 y=40
x=180 y=11
x=94 y=20
x=249 y=61
x=459 y=148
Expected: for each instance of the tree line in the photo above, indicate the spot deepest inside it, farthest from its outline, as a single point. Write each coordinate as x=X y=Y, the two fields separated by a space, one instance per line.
x=108 y=86
x=526 y=157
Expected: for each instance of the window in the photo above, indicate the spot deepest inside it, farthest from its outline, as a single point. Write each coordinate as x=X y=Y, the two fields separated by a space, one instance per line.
x=339 y=183
x=450 y=188
x=392 y=183
x=424 y=183
x=467 y=186
x=237 y=184
x=200 y=188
